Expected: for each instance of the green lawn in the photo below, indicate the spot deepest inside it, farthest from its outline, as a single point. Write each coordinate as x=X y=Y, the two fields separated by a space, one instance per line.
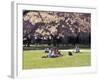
x=32 y=59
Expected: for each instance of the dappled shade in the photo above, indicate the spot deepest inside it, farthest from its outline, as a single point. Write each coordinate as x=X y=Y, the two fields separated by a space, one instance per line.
x=61 y=27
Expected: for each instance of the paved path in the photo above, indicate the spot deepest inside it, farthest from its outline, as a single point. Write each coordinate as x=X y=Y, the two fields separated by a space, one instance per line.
x=82 y=50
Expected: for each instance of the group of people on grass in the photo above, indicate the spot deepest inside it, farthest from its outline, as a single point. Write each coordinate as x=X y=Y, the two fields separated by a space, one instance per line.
x=54 y=52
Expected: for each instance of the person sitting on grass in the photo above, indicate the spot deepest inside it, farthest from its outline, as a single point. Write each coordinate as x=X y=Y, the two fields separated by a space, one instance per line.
x=50 y=53
x=54 y=53
x=46 y=50
x=58 y=53
x=77 y=49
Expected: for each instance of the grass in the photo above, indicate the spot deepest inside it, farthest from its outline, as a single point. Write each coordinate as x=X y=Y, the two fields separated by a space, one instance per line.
x=32 y=59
